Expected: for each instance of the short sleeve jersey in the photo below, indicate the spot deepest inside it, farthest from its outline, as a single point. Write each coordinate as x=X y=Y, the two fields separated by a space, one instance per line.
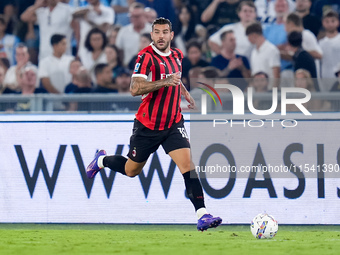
x=159 y=109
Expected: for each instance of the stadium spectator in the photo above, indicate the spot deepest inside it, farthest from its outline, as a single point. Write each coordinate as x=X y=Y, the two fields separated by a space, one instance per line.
x=330 y=46
x=11 y=18
x=54 y=18
x=247 y=14
x=113 y=59
x=83 y=81
x=54 y=69
x=8 y=42
x=94 y=50
x=27 y=80
x=265 y=57
x=260 y=82
x=276 y=34
x=104 y=79
x=192 y=60
x=112 y=33
x=22 y=59
x=301 y=58
x=150 y=14
x=304 y=80
x=309 y=42
x=220 y=13
x=96 y=15
x=163 y=8
x=267 y=11
x=74 y=68
x=130 y=34
x=121 y=8
x=232 y=66
x=309 y=20
x=145 y=40
x=322 y=6
x=123 y=80
x=185 y=28
x=83 y=84
x=275 y=31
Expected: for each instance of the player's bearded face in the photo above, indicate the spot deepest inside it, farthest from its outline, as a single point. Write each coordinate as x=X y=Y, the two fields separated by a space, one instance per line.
x=162 y=36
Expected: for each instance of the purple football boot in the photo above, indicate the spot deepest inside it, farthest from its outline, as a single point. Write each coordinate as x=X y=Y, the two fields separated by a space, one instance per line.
x=208 y=221
x=93 y=167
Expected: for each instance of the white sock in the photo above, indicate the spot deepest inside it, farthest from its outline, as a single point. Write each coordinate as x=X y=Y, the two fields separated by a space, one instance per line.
x=200 y=212
x=100 y=161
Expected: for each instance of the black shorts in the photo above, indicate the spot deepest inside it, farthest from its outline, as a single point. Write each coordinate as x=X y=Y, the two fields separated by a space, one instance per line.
x=145 y=141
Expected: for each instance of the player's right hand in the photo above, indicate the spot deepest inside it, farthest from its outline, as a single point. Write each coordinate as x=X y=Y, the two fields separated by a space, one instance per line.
x=174 y=79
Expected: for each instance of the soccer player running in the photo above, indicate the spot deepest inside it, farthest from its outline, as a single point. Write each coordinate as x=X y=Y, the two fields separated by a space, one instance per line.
x=157 y=77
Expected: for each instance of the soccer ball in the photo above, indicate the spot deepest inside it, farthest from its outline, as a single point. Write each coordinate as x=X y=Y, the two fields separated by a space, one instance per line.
x=264 y=226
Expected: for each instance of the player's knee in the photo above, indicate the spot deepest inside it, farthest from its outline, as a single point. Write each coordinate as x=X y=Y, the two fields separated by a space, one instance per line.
x=185 y=167
x=132 y=172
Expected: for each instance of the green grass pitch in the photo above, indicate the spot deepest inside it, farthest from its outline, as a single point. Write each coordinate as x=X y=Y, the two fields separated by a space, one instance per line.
x=163 y=239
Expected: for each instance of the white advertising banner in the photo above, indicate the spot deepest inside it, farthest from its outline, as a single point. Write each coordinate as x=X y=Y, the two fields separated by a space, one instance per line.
x=43 y=179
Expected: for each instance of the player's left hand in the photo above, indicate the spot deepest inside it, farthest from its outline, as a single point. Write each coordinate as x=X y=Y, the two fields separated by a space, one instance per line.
x=191 y=101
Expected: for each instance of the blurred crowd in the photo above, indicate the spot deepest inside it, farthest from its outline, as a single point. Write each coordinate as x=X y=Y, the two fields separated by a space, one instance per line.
x=79 y=46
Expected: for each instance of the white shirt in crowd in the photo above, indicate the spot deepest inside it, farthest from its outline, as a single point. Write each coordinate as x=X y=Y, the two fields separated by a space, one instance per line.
x=57 y=70
x=243 y=46
x=107 y=16
x=128 y=40
x=10 y=80
x=56 y=22
x=265 y=58
x=89 y=63
x=330 y=59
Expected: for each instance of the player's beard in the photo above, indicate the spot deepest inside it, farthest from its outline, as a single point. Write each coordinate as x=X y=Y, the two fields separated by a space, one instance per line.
x=164 y=47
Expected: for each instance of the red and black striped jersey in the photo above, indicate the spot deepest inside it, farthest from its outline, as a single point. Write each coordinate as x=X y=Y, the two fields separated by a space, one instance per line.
x=159 y=109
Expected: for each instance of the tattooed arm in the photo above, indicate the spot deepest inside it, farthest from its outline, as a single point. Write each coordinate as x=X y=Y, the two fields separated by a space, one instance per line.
x=140 y=86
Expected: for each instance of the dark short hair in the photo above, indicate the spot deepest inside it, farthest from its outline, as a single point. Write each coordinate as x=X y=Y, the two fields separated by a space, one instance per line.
x=209 y=72
x=162 y=21
x=254 y=28
x=99 y=68
x=95 y=30
x=5 y=62
x=295 y=19
x=247 y=3
x=194 y=43
x=147 y=35
x=295 y=39
x=21 y=45
x=261 y=73
x=225 y=33
x=137 y=5
x=330 y=14
x=57 y=38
